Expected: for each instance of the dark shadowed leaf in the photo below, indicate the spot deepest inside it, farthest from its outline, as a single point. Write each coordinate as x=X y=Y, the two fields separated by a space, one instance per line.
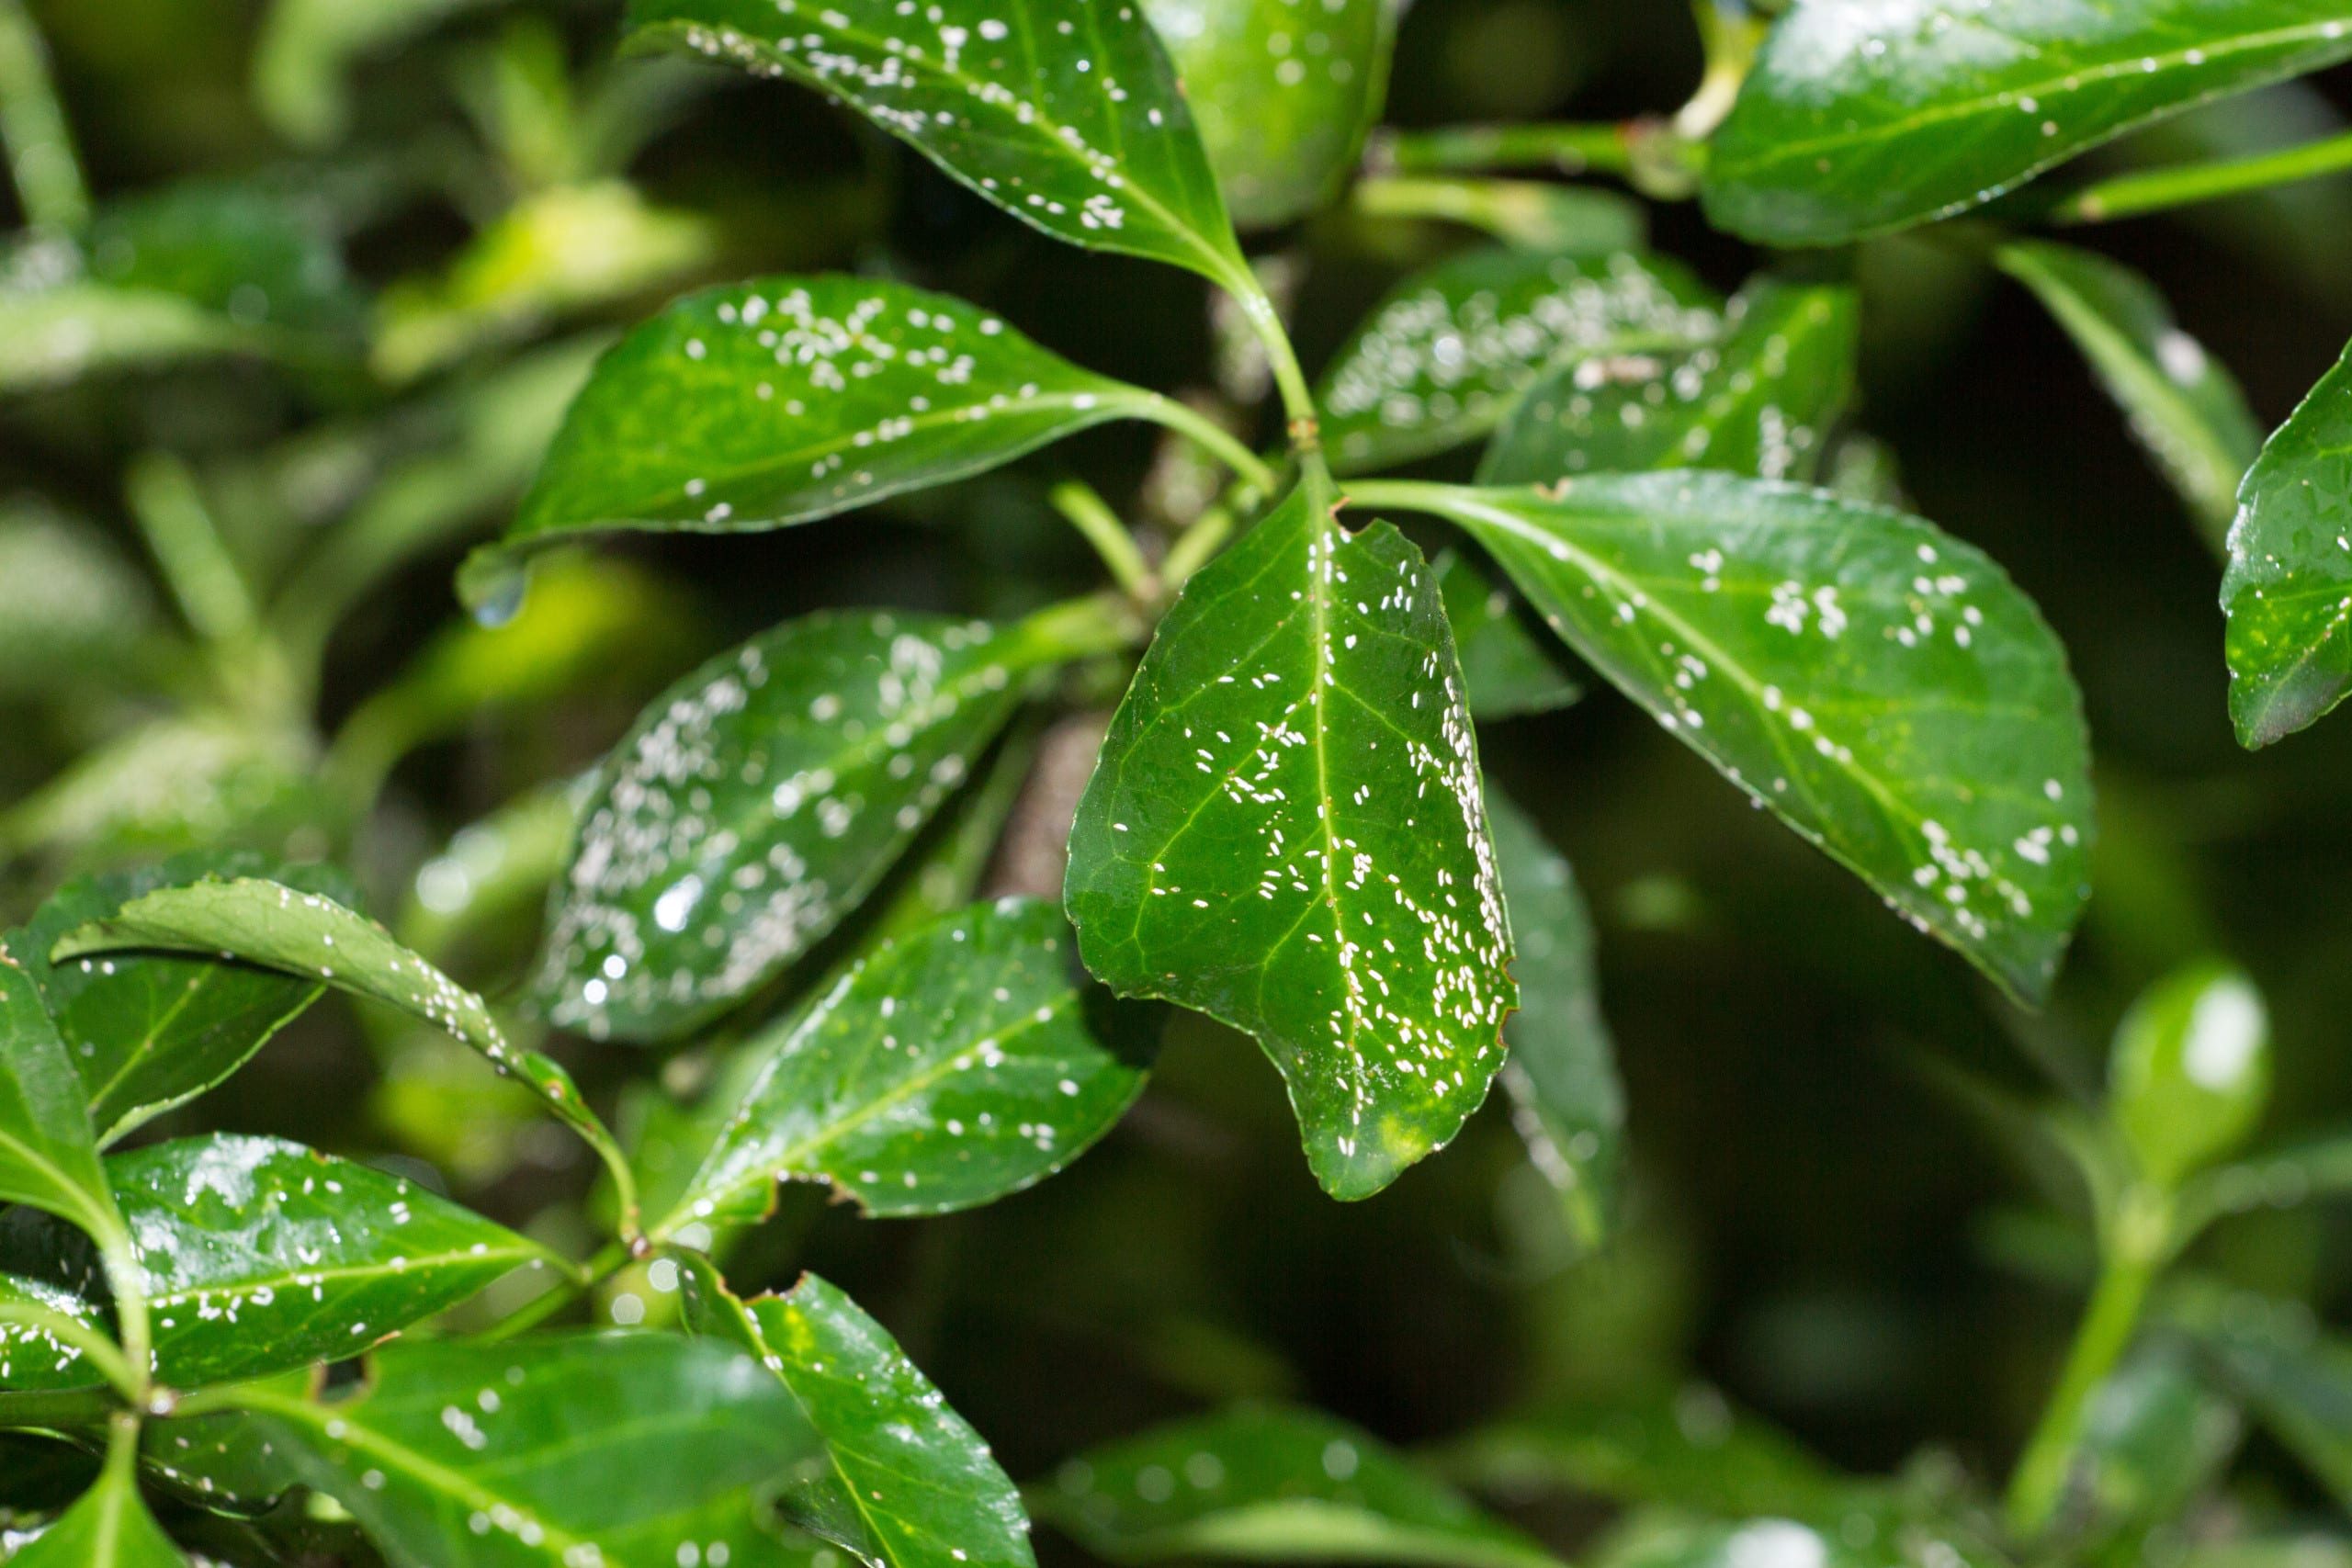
x=2183 y=406
x=2155 y=1434
x=1285 y=832
x=1508 y=666
x=1882 y=687
x=1282 y=94
x=1562 y=1074
x=2272 y=1355
x=1758 y=400
x=759 y=800
x=225 y=1460
x=1064 y=113
x=1271 y=1484
x=786 y=399
x=307 y=46
x=949 y=1067
x=2287 y=591
x=913 y=1486
x=528 y=1454
x=1861 y=117
x=1448 y=354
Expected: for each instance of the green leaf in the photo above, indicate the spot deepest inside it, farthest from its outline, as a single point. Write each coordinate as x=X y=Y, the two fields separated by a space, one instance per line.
x=33 y=1357
x=1286 y=832
x=2184 y=406
x=1508 y=669
x=1451 y=349
x=49 y=1157
x=2190 y=1071
x=2154 y=1435
x=1882 y=686
x=771 y=402
x=2304 y=1171
x=307 y=47
x=528 y=1454
x=147 y=1033
x=1857 y=120
x=913 y=1486
x=109 y=1528
x=1282 y=94
x=1271 y=1484
x=171 y=783
x=261 y=1254
x=1064 y=113
x=309 y=934
x=1759 y=400
x=948 y=1068
x=2287 y=591
x=759 y=800
x=1678 y=1541
x=91 y=616
x=226 y=1459
x=1562 y=1076
x=2296 y=1380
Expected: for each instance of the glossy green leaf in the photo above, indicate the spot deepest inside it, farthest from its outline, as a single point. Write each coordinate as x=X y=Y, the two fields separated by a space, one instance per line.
x=759 y=800
x=261 y=1254
x=31 y=1356
x=2183 y=406
x=1271 y=1484
x=2190 y=1071
x=225 y=1460
x=2287 y=591
x=1509 y=668
x=948 y=1068
x=49 y=1157
x=617 y=1450
x=148 y=1032
x=913 y=1486
x=1882 y=686
x=1568 y=1103
x=1283 y=93
x=311 y=935
x=1064 y=113
x=1451 y=350
x=761 y=404
x=1860 y=118
x=1285 y=832
x=109 y=1528
x=1758 y=400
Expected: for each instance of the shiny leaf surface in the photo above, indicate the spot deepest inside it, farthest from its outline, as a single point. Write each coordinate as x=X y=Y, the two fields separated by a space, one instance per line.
x=109 y=1528
x=48 y=1158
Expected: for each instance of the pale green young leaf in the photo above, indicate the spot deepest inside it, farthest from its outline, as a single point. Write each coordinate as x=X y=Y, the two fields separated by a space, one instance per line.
x=1568 y=1103
x=1285 y=832
x=552 y=1451
x=761 y=404
x=1283 y=94
x=1272 y=1485
x=1065 y=113
x=759 y=800
x=1760 y=399
x=2184 y=406
x=1863 y=116
x=2287 y=591
x=2191 y=1070
x=1448 y=354
x=948 y=1068
x=1881 y=686
x=1508 y=667
x=913 y=1486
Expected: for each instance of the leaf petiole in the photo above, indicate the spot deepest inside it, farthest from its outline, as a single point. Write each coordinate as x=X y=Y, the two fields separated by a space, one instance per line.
x=2155 y=190
x=39 y=144
x=1091 y=515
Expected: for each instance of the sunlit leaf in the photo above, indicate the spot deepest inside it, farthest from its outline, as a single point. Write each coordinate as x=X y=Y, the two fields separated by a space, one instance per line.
x=1451 y=350
x=1271 y=1484
x=620 y=1449
x=1508 y=666
x=1757 y=400
x=1285 y=832
x=1562 y=1074
x=2183 y=406
x=2288 y=592
x=1282 y=94
x=1881 y=686
x=1065 y=113
x=949 y=1067
x=1862 y=115
x=911 y=1484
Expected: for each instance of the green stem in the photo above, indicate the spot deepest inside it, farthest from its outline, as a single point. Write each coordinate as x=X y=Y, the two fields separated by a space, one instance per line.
x=1220 y=443
x=32 y=126
x=2153 y=190
x=195 y=560
x=1081 y=628
x=128 y=1280
x=1266 y=322
x=1469 y=148
x=97 y=1348
x=2038 y=1483
x=1093 y=517
x=1193 y=547
x=616 y=1257
x=59 y=1411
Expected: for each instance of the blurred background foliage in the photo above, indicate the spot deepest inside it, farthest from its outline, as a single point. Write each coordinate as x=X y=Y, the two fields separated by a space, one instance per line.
x=442 y=208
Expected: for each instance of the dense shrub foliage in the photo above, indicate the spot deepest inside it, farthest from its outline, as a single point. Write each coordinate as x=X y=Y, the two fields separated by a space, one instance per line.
x=1008 y=837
